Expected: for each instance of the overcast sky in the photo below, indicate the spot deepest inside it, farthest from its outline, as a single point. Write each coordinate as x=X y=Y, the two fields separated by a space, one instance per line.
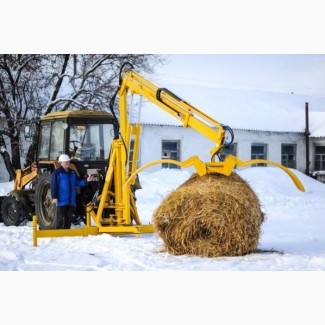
x=301 y=74
x=127 y=26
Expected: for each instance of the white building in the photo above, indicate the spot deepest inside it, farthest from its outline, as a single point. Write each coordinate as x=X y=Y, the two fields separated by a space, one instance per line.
x=287 y=148
x=266 y=126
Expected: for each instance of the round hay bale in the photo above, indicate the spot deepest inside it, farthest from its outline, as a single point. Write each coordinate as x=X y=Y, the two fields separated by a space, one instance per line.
x=211 y=215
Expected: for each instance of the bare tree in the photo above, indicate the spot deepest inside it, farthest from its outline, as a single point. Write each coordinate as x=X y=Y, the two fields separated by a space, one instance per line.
x=20 y=84
x=35 y=85
x=88 y=81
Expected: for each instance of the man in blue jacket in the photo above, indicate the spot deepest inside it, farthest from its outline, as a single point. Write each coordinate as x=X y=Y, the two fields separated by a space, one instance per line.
x=64 y=182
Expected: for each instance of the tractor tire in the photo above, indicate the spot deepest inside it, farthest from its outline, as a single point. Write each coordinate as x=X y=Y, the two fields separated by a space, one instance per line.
x=12 y=211
x=44 y=207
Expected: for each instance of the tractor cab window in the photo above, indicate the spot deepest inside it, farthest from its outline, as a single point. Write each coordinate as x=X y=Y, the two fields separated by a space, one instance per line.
x=57 y=140
x=90 y=141
x=51 y=141
x=44 y=141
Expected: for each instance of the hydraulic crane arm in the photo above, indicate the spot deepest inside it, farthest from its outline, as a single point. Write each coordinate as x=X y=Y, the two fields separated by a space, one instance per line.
x=187 y=114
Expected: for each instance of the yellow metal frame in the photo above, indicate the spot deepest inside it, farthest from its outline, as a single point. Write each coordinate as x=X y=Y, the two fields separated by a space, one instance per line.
x=23 y=177
x=225 y=168
x=115 y=211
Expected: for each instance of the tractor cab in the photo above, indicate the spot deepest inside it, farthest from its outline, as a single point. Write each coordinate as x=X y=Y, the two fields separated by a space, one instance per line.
x=85 y=136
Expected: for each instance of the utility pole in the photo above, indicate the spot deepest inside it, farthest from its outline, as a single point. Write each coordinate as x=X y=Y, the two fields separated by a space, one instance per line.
x=307 y=134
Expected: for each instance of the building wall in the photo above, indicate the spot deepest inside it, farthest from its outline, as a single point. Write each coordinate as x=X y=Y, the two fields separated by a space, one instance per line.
x=314 y=142
x=273 y=140
x=193 y=143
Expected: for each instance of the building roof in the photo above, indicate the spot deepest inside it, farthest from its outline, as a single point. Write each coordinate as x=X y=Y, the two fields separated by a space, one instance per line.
x=246 y=109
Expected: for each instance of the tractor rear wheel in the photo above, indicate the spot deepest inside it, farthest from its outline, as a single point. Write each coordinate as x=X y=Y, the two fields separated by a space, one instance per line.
x=12 y=211
x=44 y=208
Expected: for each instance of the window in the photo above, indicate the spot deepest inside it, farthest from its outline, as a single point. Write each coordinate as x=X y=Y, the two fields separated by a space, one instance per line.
x=170 y=150
x=258 y=151
x=228 y=150
x=57 y=137
x=44 y=141
x=90 y=141
x=51 y=141
x=288 y=155
x=319 y=158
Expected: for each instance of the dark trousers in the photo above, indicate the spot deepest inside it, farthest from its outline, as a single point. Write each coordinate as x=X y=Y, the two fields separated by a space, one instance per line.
x=64 y=216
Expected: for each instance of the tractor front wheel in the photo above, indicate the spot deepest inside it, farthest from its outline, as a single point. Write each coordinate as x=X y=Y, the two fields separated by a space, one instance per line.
x=12 y=211
x=44 y=207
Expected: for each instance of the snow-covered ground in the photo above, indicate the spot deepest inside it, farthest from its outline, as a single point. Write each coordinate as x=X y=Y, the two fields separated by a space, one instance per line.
x=294 y=228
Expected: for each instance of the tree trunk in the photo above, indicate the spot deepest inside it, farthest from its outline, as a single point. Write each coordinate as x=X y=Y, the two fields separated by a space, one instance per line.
x=6 y=158
x=15 y=152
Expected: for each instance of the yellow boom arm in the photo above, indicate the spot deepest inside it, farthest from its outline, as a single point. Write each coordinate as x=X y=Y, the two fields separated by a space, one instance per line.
x=187 y=114
x=190 y=116
x=114 y=210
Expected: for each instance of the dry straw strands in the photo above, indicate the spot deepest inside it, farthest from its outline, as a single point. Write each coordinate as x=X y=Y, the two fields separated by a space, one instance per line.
x=210 y=216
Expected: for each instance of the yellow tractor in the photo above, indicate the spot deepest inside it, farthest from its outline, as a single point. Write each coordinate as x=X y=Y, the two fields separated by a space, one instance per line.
x=99 y=144
x=86 y=136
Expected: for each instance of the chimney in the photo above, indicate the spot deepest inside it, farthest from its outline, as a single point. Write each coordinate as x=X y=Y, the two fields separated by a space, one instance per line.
x=307 y=134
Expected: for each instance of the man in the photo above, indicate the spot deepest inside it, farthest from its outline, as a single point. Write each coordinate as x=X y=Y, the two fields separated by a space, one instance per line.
x=64 y=182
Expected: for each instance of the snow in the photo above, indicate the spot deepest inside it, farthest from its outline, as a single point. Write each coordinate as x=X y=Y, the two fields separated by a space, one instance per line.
x=272 y=111
x=283 y=285
x=295 y=227
x=294 y=230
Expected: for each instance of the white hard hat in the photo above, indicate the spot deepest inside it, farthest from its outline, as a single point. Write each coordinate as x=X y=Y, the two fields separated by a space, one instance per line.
x=64 y=157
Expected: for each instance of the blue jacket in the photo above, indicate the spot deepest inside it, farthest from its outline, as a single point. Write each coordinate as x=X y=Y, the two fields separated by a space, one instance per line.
x=64 y=184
